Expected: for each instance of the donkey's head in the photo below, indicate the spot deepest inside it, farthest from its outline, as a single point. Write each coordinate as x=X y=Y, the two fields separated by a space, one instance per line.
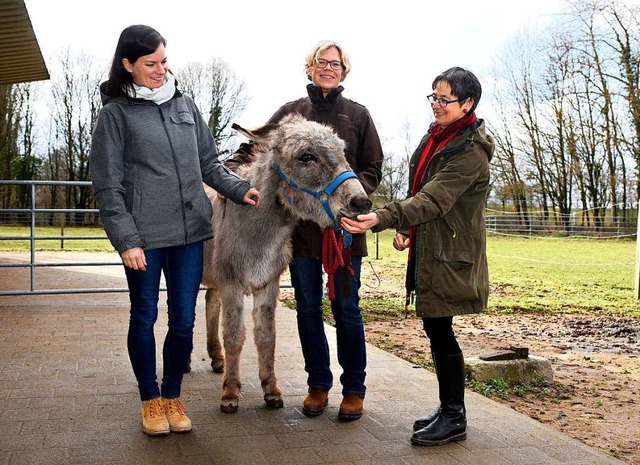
x=308 y=157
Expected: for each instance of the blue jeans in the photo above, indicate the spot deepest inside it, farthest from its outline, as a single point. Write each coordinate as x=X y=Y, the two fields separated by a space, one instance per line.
x=182 y=268
x=306 y=277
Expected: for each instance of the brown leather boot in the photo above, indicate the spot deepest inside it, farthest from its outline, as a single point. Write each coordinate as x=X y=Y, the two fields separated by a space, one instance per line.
x=154 y=421
x=177 y=417
x=351 y=407
x=315 y=402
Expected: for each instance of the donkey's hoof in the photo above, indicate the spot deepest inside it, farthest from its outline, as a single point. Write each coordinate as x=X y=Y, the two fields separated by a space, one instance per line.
x=217 y=366
x=229 y=407
x=273 y=401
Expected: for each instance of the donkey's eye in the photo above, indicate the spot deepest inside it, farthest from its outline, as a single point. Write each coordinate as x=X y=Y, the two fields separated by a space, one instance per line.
x=307 y=157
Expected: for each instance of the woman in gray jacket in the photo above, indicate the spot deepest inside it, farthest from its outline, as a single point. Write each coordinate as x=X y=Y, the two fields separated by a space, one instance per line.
x=151 y=151
x=442 y=224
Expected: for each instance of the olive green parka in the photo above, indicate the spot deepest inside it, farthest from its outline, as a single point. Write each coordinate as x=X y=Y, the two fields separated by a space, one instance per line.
x=451 y=274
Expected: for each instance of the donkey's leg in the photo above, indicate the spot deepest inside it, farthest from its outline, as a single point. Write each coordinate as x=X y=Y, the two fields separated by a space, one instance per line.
x=264 y=306
x=234 y=334
x=214 y=347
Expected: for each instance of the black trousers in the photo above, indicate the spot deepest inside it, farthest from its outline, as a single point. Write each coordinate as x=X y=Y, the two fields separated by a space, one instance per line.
x=441 y=336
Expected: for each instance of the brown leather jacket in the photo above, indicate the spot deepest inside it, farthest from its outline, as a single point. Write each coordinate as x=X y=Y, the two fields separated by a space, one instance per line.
x=353 y=123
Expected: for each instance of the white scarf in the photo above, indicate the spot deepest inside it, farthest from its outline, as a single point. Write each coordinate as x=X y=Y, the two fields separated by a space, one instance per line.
x=159 y=95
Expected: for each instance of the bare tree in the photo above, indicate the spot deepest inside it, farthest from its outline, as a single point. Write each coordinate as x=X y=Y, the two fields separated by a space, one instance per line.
x=219 y=94
x=568 y=109
x=9 y=124
x=393 y=185
x=625 y=27
x=75 y=109
x=559 y=128
x=17 y=158
x=27 y=164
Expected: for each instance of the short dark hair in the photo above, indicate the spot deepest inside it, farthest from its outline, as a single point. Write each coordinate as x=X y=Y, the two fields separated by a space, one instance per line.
x=464 y=84
x=134 y=42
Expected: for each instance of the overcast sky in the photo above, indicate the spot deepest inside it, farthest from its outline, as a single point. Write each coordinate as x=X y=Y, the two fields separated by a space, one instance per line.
x=396 y=47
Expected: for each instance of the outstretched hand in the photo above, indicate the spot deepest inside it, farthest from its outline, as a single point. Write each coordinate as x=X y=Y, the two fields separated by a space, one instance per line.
x=361 y=224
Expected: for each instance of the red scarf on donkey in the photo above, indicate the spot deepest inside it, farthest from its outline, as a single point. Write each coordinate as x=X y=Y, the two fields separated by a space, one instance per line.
x=439 y=137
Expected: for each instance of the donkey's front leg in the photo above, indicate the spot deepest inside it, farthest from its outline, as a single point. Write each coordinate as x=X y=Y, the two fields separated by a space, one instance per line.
x=214 y=347
x=234 y=333
x=264 y=333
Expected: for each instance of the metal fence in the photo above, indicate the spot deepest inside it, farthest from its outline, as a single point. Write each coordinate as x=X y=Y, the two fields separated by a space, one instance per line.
x=579 y=224
x=575 y=225
x=34 y=216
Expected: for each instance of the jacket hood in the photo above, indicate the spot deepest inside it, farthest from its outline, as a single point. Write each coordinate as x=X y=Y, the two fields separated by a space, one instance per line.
x=106 y=98
x=486 y=140
x=476 y=134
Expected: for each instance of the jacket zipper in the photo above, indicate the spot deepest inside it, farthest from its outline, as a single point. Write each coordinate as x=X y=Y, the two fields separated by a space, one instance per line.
x=175 y=164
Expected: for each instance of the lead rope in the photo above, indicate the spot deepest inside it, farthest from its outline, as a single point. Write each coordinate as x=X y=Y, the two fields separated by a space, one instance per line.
x=334 y=255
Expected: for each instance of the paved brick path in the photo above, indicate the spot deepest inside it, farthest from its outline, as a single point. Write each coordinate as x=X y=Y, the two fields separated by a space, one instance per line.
x=68 y=396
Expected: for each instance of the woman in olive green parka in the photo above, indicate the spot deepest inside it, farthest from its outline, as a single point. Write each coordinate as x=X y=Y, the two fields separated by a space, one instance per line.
x=442 y=224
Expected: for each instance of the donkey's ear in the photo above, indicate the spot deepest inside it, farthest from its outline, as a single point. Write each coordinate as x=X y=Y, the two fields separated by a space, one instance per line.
x=258 y=134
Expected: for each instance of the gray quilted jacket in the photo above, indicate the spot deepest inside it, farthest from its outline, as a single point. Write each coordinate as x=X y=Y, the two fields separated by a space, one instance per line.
x=148 y=163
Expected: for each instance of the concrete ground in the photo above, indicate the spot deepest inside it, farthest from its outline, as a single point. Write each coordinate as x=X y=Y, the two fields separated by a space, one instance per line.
x=68 y=395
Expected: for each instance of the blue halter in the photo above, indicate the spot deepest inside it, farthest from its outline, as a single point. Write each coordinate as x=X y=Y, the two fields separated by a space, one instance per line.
x=322 y=195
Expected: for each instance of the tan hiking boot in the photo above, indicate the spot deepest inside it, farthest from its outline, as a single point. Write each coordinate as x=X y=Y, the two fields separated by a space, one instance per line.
x=315 y=402
x=351 y=407
x=154 y=421
x=177 y=417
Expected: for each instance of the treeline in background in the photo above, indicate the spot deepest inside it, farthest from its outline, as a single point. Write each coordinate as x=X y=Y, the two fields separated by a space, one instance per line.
x=562 y=104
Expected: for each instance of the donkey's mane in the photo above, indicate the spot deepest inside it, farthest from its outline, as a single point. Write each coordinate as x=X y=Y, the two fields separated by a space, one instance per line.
x=247 y=153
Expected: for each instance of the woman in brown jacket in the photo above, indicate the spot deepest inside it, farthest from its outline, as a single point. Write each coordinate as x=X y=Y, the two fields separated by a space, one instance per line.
x=442 y=224
x=326 y=66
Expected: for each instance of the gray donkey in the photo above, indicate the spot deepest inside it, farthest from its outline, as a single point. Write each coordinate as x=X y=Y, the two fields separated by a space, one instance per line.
x=301 y=172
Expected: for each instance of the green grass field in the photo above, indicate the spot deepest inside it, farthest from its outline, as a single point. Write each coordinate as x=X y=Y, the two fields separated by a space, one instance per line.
x=547 y=274
x=526 y=274
x=79 y=245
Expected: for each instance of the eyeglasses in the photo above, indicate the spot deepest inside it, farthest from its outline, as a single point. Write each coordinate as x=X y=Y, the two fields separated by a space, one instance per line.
x=335 y=64
x=443 y=102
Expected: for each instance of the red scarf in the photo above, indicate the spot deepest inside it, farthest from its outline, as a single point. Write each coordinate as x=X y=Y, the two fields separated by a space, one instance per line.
x=439 y=137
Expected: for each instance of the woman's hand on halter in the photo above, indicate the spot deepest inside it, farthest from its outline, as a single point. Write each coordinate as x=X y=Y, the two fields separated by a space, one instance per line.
x=361 y=224
x=134 y=258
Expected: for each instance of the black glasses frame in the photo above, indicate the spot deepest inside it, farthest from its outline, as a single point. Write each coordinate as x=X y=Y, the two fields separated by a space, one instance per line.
x=443 y=102
x=333 y=64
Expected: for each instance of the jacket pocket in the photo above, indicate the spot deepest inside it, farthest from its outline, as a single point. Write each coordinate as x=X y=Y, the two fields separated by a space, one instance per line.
x=136 y=206
x=454 y=277
x=183 y=118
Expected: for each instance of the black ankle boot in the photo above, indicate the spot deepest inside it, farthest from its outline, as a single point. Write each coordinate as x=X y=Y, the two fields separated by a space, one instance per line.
x=450 y=424
x=426 y=420
x=447 y=427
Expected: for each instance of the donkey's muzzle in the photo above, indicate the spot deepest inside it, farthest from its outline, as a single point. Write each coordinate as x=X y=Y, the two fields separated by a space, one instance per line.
x=357 y=206
x=360 y=205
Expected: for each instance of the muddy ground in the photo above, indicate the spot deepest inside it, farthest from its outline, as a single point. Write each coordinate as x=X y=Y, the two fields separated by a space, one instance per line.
x=595 y=360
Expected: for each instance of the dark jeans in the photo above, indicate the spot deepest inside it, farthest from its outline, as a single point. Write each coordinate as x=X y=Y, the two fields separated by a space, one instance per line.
x=306 y=277
x=182 y=268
